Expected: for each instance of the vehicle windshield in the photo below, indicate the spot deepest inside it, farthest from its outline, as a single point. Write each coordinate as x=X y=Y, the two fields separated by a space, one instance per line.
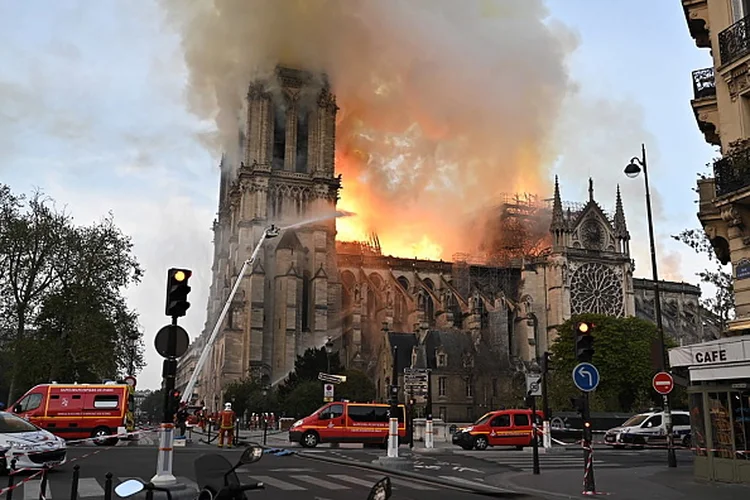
x=10 y=424
x=483 y=419
x=635 y=420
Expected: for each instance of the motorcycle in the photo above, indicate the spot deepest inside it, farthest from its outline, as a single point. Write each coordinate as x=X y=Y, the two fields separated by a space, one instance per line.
x=218 y=479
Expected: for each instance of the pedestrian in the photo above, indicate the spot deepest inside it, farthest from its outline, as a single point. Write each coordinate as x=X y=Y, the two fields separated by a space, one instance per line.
x=226 y=425
x=181 y=419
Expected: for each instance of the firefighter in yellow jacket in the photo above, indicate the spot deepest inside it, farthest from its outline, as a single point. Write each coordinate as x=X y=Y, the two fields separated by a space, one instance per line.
x=226 y=425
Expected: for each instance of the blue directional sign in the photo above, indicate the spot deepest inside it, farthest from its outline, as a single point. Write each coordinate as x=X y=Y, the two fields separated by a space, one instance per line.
x=586 y=377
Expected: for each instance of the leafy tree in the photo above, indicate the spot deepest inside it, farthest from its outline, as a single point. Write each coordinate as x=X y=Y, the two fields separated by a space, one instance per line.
x=61 y=303
x=358 y=387
x=722 y=304
x=623 y=355
x=304 y=399
x=307 y=367
x=247 y=396
x=152 y=406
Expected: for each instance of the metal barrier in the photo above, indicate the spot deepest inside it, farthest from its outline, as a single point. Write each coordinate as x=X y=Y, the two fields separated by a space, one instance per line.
x=12 y=485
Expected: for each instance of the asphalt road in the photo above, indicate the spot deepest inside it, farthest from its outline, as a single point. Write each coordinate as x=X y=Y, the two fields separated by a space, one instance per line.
x=289 y=477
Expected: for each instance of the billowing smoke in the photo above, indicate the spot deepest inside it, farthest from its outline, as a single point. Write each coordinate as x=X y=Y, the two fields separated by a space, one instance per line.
x=444 y=103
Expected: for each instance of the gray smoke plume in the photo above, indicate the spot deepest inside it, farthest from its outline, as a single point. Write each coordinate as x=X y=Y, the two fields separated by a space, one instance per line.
x=444 y=103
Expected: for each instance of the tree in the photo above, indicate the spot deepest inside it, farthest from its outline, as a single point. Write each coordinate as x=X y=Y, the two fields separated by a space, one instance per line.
x=722 y=304
x=304 y=399
x=61 y=295
x=152 y=406
x=248 y=396
x=623 y=348
x=358 y=387
x=307 y=367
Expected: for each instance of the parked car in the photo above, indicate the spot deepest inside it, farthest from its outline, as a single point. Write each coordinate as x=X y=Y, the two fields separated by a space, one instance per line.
x=649 y=428
x=32 y=447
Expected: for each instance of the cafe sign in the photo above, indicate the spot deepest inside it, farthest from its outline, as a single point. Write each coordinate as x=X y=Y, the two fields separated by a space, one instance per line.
x=711 y=353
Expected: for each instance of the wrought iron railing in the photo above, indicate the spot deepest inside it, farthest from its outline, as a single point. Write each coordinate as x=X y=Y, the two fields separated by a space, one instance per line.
x=734 y=42
x=704 y=84
x=732 y=172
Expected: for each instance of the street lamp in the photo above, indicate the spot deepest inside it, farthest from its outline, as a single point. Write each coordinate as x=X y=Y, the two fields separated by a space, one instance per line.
x=329 y=350
x=264 y=392
x=632 y=171
x=133 y=338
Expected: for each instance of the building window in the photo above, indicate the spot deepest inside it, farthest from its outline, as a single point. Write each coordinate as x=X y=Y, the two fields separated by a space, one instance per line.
x=469 y=388
x=442 y=360
x=279 y=137
x=306 y=302
x=302 y=140
x=441 y=386
x=443 y=413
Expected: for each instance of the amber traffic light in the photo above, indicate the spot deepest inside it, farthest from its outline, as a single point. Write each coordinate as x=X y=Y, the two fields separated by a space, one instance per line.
x=584 y=342
x=177 y=292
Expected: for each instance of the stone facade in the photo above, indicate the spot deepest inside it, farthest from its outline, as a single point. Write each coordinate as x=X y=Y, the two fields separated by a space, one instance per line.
x=476 y=322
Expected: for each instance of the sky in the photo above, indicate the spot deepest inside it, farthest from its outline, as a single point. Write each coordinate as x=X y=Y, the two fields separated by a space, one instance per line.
x=93 y=111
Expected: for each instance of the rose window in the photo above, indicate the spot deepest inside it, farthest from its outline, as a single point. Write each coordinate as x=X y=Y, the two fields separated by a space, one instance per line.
x=596 y=288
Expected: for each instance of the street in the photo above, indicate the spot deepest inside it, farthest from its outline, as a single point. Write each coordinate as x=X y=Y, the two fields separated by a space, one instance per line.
x=295 y=477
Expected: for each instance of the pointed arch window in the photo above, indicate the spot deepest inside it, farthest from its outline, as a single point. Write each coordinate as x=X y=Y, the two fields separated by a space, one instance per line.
x=303 y=130
x=279 y=136
x=306 y=299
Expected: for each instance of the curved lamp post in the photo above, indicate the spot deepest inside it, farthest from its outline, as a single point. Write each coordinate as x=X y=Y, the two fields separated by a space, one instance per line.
x=632 y=170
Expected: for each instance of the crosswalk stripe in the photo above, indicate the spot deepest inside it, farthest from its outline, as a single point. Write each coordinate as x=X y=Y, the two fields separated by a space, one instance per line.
x=406 y=484
x=353 y=480
x=321 y=482
x=32 y=488
x=90 y=487
x=277 y=483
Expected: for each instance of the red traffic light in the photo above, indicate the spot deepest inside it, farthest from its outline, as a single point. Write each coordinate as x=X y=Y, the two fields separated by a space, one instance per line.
x=176 y=394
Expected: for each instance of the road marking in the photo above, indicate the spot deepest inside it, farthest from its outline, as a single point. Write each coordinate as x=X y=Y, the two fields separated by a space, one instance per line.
x=289 y=469
x=461 y=480
x=277 y=483
x=353 y=480
x=406 y=484
x=321 y=482
x=90 y=487
x=31 y=490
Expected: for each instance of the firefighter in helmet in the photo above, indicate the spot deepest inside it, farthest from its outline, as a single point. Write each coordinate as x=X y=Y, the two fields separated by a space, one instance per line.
x=226 y=425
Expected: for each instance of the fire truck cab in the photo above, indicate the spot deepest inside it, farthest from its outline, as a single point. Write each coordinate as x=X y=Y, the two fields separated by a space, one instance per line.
x=345 y=422
x=79 y=411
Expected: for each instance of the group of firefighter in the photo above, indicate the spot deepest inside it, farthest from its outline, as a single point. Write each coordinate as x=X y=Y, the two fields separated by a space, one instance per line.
x=226 y=420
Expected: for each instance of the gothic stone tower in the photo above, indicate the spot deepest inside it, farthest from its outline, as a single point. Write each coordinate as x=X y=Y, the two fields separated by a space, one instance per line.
x=283 y=174
x=588 y=270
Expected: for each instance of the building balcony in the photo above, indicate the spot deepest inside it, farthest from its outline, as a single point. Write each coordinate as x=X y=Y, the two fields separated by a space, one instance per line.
x=704 y=104
x=732 y=173
x=696 y=15
x=734 y=42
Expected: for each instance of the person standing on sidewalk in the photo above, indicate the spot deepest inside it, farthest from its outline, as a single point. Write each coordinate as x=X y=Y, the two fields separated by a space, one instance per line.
x=226 y=425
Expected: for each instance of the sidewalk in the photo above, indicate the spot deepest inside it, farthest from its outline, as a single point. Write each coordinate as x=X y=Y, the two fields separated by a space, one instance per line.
x=640 y=483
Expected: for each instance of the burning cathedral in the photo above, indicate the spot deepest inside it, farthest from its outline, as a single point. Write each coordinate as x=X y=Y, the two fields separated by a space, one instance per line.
x=477 y=321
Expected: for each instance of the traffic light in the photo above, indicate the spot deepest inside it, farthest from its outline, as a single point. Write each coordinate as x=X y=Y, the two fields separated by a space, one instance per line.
x=584 y=342
x=177 y=292
x=175 y=401
x=546 y=362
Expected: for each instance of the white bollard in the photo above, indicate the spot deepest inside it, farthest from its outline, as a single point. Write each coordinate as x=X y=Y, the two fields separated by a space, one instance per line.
x=164 y=474
x=547 y=435
x=428 y=434
x=393 y=438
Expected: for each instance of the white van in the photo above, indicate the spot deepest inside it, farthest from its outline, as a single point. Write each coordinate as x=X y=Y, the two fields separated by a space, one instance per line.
x=648 y=428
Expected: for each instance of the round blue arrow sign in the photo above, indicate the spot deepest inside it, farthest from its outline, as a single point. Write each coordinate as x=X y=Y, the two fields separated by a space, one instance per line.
x=586 y=377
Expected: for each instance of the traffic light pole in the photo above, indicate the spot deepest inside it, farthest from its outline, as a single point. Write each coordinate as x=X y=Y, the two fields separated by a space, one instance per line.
x=535 y=436
x=393 y=421
x=589 y=485
x=164 y=474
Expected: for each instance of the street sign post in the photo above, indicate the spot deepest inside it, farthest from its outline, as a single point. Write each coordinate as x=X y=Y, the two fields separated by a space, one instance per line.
x=331 y=379
x=327 y=393
x=586 y=377
x=663 y=383
x=533 y=385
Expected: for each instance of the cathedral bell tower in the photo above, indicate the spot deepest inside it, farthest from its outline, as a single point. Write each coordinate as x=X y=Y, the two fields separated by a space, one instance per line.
x=283 y=175
x=589 y=269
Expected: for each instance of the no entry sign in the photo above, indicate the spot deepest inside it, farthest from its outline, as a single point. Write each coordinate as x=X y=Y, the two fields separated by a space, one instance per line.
x=663 y=383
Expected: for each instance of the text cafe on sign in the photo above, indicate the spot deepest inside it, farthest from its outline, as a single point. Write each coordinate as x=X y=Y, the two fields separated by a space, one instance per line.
x=719 y=402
